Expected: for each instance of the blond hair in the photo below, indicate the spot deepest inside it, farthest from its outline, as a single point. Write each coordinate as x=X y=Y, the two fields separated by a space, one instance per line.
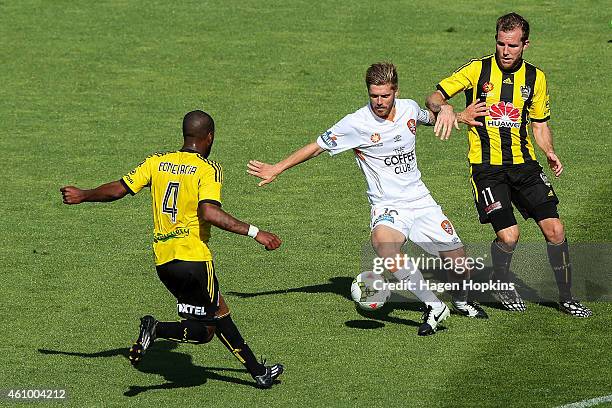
x=382 y=73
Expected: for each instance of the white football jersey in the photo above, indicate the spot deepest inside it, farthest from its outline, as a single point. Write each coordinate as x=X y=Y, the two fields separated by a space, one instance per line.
x=384 y=150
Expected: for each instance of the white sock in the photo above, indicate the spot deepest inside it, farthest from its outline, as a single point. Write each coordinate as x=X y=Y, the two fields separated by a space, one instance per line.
x=436 y=306
x=410 y=273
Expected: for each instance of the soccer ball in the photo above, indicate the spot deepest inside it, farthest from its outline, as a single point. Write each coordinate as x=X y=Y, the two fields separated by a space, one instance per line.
x=364 y=294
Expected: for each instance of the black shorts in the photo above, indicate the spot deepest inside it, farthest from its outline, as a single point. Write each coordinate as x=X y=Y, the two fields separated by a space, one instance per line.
x=496 y=188
x=195 y=287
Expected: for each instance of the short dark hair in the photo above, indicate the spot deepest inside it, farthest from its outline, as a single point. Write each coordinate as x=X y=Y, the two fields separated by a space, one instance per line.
x=198 y=123
x=511 y=21
x=381 y=73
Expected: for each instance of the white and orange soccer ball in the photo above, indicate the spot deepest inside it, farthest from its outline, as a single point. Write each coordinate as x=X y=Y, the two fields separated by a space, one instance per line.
x=370 y=291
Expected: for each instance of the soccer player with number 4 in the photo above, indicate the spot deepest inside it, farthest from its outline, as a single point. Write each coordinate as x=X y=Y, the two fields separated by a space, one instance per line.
x=508 y=94
x=186 y=191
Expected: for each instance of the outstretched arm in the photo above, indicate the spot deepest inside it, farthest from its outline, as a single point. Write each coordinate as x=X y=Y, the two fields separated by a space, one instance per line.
x=543 y=137
x=214 y=215
x=269 y=172
x=445 y=116
x=106 y=192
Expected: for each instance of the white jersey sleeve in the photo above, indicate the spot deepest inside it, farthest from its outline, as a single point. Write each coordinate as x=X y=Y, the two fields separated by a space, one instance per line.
x=422 y=114
x=341 y=137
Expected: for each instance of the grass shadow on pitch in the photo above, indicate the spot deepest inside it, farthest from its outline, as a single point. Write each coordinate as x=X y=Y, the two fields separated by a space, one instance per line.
x=176 y=368
x=375 y=318
x=337 y=285
x=341 y=286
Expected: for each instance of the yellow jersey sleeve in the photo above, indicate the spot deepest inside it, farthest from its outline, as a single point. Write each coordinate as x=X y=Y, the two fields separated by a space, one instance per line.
x=464 y=78
x=210 y=183
x=539 y=111
x=138 y=178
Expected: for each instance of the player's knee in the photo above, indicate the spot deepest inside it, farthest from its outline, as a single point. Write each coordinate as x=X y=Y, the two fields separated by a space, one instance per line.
x=210 y=330
x=386 y=241
x=223 y=309
x=508 y=237
x=198 y=332
x=554 y=232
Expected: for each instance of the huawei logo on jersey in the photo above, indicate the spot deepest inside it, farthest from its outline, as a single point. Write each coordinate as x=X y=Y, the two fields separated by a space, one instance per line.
x=504 y=114
x=412 y=126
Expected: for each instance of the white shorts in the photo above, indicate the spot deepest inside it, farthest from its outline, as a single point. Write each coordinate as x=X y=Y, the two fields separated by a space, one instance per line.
x=421 y=221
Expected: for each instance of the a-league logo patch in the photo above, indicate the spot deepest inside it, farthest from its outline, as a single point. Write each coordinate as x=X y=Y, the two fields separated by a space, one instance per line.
x=412 y=126
x=447 y=226
x=329 y=139
x=386 y=216
x=375 y=138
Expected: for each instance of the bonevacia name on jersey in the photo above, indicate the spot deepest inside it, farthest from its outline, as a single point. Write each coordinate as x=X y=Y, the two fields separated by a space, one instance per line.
x=177 y=168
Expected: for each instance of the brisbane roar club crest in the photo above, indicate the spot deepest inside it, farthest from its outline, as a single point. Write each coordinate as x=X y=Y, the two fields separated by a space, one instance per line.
x=412 y=126
x=447 y=226
x=504 y=114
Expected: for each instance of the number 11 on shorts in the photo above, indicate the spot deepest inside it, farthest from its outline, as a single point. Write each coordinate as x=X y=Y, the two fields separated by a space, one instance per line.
x=490 y=196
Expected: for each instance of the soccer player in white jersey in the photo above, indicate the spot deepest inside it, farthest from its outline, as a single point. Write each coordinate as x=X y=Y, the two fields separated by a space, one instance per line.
x=382 y=136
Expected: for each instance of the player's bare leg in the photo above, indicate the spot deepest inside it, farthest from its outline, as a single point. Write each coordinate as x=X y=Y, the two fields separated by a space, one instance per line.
x=502 y=249
x=459 y=275
x=387 y=243
x=558 y=256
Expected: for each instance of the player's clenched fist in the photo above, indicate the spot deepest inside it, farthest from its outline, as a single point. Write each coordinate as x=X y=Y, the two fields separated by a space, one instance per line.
x=267 y=239
x=72 y=195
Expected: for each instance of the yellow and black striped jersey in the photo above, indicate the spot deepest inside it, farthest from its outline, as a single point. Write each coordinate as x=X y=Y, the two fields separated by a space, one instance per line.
x=514 y=99
x=179 y=181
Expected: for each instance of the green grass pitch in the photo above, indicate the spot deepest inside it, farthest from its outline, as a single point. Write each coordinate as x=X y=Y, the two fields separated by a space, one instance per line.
x=90 y=88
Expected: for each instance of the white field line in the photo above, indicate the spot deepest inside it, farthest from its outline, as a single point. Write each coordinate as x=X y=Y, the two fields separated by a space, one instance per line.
x=588 y=403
